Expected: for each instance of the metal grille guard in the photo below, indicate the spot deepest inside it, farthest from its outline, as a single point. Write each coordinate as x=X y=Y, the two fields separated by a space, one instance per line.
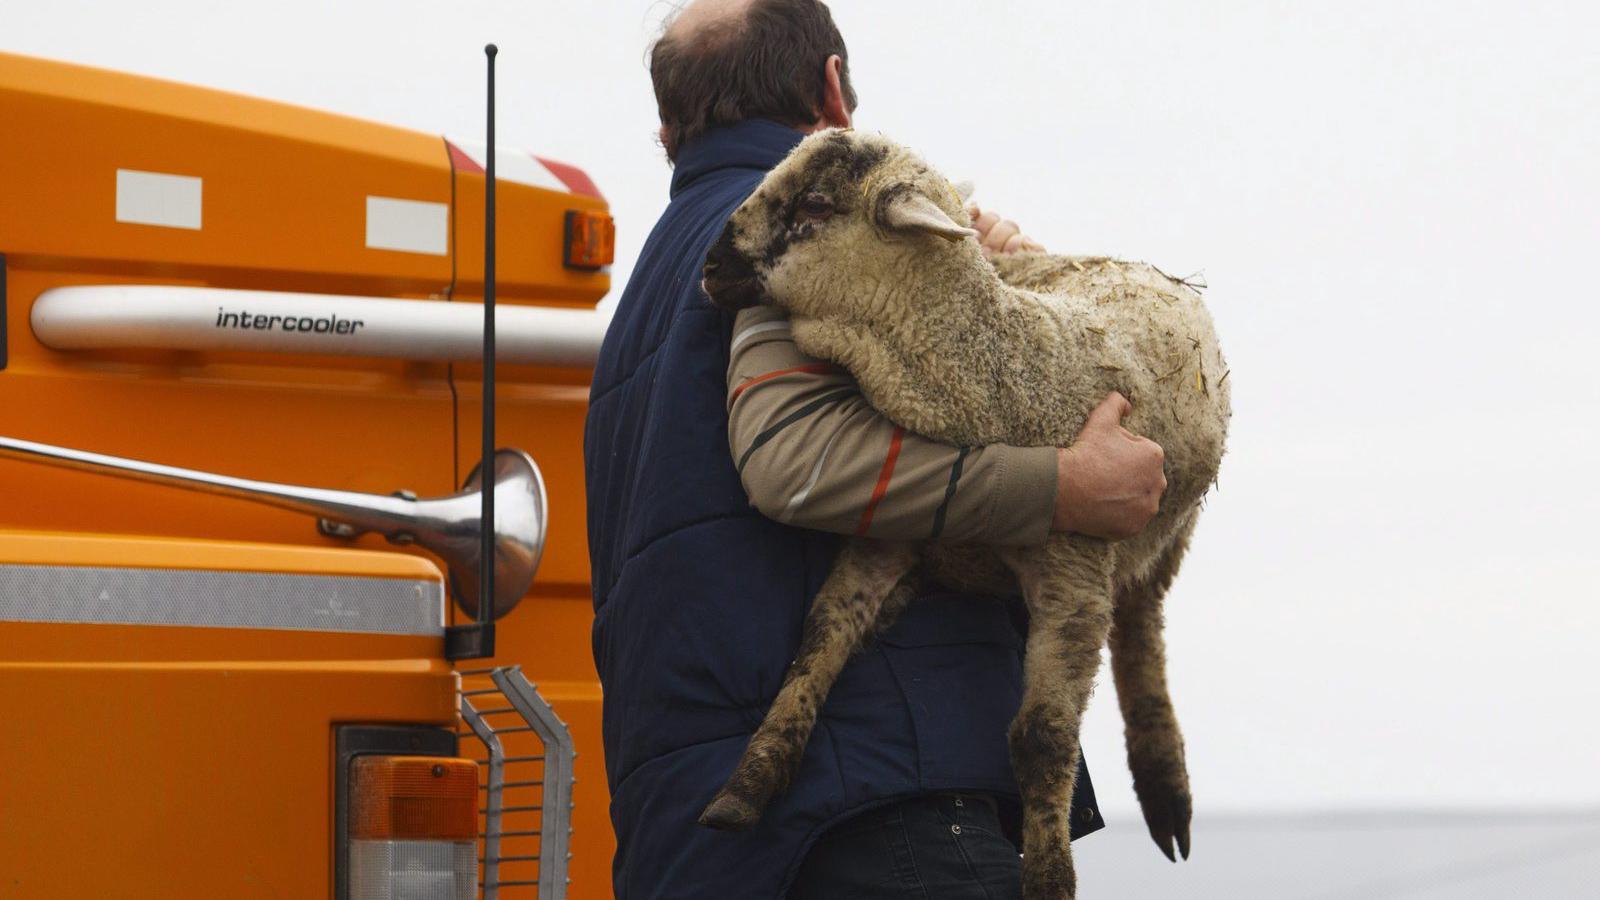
x=542 y=783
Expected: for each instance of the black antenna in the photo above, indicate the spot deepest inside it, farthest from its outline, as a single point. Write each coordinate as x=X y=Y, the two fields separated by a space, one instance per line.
x=476 y=641
x=486 y=578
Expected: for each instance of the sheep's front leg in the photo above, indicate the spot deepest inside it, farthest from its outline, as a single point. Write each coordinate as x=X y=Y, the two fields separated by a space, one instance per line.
x=1067 y=587
x=1155 y=745
x=860 y=589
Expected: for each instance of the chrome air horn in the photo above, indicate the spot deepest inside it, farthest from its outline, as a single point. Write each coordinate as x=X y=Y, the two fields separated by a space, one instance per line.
x=447 y=527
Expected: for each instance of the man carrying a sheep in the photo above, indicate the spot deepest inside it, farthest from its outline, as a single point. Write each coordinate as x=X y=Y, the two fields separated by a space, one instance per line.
x=905 y=789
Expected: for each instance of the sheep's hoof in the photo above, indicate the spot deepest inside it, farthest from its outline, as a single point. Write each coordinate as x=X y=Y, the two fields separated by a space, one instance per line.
x=728 y=813
x=1167 y=810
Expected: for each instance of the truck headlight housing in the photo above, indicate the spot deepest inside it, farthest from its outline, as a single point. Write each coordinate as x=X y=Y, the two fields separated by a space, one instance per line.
x=413 y=828
x=407 y=820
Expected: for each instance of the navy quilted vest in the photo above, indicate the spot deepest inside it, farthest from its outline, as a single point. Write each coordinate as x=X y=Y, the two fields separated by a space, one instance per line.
x=698 y=598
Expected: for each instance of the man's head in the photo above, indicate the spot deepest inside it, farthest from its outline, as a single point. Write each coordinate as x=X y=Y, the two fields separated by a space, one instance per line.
x=719 y=62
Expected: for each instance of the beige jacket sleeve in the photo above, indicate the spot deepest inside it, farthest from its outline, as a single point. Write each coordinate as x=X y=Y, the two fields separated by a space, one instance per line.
x=812 y=452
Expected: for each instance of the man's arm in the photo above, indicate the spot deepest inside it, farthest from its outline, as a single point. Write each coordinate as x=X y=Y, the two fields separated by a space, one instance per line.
x=812 y=452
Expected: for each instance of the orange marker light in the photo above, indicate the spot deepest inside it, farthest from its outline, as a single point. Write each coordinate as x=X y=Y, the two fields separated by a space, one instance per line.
x=413 y=798
x=591 y=239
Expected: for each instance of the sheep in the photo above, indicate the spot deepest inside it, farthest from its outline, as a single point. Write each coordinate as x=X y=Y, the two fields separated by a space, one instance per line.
x=869 y=252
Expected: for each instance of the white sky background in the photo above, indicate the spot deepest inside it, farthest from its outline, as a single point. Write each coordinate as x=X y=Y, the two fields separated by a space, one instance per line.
x=1392 y=602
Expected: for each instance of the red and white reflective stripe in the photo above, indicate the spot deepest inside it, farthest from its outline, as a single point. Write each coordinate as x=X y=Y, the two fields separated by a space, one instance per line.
x=576 y=180
x=519 y=167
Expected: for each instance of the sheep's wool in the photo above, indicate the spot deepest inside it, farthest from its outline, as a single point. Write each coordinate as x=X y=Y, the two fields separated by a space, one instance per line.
x=971 y=352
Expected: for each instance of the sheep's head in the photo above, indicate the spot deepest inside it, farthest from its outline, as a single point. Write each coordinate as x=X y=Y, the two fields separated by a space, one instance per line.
x=842 y=204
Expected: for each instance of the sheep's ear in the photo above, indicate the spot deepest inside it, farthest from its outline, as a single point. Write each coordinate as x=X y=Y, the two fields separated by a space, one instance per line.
x=964 y=189
x=909 y=210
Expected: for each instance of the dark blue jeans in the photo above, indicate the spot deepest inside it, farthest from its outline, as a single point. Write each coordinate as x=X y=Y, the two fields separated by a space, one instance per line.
x=937 y=847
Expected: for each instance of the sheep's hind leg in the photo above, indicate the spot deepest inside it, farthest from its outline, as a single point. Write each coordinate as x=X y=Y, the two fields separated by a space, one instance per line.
x=1155 y=745
x=861 y=588
x=1067 y=587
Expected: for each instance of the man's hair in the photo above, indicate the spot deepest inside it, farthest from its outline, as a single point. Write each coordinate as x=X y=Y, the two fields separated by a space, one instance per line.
x=766 y=61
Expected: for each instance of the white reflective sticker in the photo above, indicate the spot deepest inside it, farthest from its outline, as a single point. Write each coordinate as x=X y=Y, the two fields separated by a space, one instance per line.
x=411 y=226
x=156 y=198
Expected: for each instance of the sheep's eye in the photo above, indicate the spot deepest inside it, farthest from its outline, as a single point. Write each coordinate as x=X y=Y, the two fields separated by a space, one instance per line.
x=813 y=208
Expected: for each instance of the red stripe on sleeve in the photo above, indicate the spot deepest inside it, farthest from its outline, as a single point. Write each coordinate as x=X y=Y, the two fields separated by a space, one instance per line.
x=809 y=368
x=882 y=487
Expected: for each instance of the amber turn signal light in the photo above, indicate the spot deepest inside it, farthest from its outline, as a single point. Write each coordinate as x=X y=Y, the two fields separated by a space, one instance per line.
x=413 y=798
x=591 y=239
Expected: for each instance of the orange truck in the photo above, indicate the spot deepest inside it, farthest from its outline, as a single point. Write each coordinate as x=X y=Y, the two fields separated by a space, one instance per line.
x=227 y=672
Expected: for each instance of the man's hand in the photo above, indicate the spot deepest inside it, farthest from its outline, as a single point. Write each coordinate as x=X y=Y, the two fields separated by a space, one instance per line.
x=997 y=235
x=1109 y=482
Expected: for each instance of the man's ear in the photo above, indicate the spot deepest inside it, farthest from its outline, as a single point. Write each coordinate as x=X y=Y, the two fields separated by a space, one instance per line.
x=908 y=210
x=835 y=112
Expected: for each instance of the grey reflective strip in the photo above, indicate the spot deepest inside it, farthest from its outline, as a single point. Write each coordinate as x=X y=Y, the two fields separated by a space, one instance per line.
x=215 y=599
x=816 y=473
x=753 y=330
